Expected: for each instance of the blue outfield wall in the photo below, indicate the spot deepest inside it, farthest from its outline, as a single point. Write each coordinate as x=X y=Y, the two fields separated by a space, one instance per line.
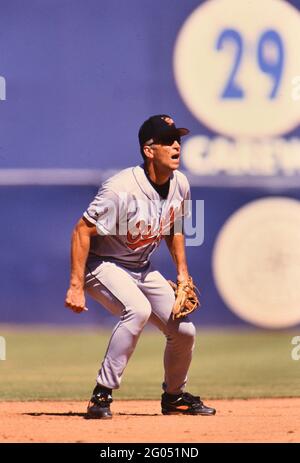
x=77 y=79
x=35 y=244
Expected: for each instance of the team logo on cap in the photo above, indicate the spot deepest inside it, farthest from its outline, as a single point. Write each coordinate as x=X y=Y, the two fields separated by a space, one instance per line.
x=168 y=120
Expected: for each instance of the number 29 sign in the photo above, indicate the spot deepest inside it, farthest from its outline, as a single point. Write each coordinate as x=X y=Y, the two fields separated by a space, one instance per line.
x=234 y=63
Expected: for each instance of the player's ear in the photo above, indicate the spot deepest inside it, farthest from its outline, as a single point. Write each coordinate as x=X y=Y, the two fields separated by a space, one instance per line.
x=148 y=152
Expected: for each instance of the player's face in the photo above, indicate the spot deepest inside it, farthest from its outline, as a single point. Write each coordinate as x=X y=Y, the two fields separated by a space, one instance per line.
x=166 y=153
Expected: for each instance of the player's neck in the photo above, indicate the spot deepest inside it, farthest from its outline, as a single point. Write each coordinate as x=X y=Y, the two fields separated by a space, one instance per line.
x=159 y=178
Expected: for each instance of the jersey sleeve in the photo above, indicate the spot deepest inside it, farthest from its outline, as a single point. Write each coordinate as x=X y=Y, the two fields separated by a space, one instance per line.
x=103 y=212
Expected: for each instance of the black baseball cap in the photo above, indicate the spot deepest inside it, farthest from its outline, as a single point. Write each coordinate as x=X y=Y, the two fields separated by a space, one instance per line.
x=158 y=128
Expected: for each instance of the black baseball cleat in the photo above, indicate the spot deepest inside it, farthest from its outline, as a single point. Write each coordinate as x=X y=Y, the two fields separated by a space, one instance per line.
x=184 y=404
x=99 y=405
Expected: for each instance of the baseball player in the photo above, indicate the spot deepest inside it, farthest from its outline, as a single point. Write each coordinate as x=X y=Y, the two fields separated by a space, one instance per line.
x=110 y=259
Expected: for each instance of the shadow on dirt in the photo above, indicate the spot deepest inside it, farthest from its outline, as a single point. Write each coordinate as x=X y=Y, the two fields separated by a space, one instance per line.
x=54 y=414
x=84 y=414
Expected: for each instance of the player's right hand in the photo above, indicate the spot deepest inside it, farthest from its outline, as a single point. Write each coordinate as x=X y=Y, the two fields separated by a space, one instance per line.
x=75 y=300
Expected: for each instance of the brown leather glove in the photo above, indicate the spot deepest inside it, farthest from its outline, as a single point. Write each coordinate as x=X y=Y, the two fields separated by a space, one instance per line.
x=186 y=300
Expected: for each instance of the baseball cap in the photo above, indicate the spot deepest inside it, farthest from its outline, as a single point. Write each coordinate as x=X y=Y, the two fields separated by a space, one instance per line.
x=159 y=127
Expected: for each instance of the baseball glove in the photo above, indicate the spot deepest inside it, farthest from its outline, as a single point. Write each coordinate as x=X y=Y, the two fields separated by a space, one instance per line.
x=186 y=300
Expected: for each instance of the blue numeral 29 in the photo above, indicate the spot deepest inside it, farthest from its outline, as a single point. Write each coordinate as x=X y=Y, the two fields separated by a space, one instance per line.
x=270 y=58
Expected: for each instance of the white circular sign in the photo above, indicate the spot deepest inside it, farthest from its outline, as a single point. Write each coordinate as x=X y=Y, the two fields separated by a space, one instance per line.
x=256 y=262
x=235 y=63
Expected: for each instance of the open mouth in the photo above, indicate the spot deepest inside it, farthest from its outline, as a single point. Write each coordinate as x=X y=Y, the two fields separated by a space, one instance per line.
x=175 y=156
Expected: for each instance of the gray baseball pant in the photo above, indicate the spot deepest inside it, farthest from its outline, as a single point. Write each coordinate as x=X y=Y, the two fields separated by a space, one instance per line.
x=139 y=297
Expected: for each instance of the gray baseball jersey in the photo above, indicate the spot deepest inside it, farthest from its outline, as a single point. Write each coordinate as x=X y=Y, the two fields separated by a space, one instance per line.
x=131 y=217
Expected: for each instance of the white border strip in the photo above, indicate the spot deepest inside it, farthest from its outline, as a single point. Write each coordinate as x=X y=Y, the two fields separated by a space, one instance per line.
x=17 y=177
x=94 y=177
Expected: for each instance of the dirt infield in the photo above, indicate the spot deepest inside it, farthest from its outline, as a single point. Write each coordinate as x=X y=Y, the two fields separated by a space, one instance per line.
x=262 y=420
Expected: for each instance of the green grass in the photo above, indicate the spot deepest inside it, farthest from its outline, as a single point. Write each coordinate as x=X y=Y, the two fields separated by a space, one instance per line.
x=62 y=364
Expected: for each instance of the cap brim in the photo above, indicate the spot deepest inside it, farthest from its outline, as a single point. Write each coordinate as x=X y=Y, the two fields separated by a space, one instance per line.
x=182 y=131
x=167 y=132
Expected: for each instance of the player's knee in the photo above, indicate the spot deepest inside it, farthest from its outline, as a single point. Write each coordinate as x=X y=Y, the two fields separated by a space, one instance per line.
x=144 y=313
x=140 y=314
x=170 y=295
x=187 y=332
